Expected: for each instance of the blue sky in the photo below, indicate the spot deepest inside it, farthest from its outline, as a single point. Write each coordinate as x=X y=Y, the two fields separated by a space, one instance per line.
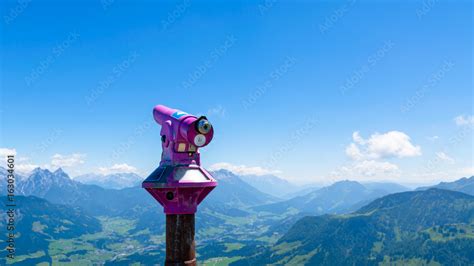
x=314 y=91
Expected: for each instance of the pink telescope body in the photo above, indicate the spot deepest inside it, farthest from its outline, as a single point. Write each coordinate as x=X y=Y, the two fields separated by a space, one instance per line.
x=179 y=184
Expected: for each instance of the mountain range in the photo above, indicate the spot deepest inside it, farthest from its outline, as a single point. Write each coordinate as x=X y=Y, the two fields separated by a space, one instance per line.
x=237 y=223
x=57 y=187
x=340 y=197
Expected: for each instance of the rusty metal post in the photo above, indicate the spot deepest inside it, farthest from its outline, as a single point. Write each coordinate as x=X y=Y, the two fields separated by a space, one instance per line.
x=180 y=245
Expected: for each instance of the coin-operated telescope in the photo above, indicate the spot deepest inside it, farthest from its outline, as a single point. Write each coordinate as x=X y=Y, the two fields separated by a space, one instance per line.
x=179 y=184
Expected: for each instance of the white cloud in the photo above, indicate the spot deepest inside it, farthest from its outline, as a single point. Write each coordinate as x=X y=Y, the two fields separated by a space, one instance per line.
x=387 y=145
x=4 y=152
x=366 y=155
x=118 y=168
x=354 y=152
x=464 y=120
x=444 y=157
x=242 y=169
x=357 y=138
x=392 y=144
x=71 y=160
x=22 y=164
x=217 y=111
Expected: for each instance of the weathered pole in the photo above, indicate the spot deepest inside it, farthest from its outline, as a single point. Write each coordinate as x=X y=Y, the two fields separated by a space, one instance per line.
x=180 y=245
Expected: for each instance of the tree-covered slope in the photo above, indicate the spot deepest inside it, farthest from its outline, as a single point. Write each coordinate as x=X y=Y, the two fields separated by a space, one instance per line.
x=37 y=221
x=418 y=227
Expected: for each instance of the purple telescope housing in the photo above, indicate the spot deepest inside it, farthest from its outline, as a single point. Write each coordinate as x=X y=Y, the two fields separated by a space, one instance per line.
x=179 y=184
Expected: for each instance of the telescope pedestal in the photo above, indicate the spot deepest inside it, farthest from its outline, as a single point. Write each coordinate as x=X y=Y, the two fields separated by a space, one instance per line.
x=180 y=245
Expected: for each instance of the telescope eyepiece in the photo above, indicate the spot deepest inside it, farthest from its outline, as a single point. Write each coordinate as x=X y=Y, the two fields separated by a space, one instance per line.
x=203 y=126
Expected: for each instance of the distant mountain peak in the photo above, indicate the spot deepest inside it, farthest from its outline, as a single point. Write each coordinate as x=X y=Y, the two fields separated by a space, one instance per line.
x=59 y=171
x=223 y=174
x=347 y=182
x=223 y=171
x=57 y=176
x=40 y=170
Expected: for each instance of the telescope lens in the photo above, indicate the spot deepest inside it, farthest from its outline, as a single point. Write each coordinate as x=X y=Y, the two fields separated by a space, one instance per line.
x=203 y=126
